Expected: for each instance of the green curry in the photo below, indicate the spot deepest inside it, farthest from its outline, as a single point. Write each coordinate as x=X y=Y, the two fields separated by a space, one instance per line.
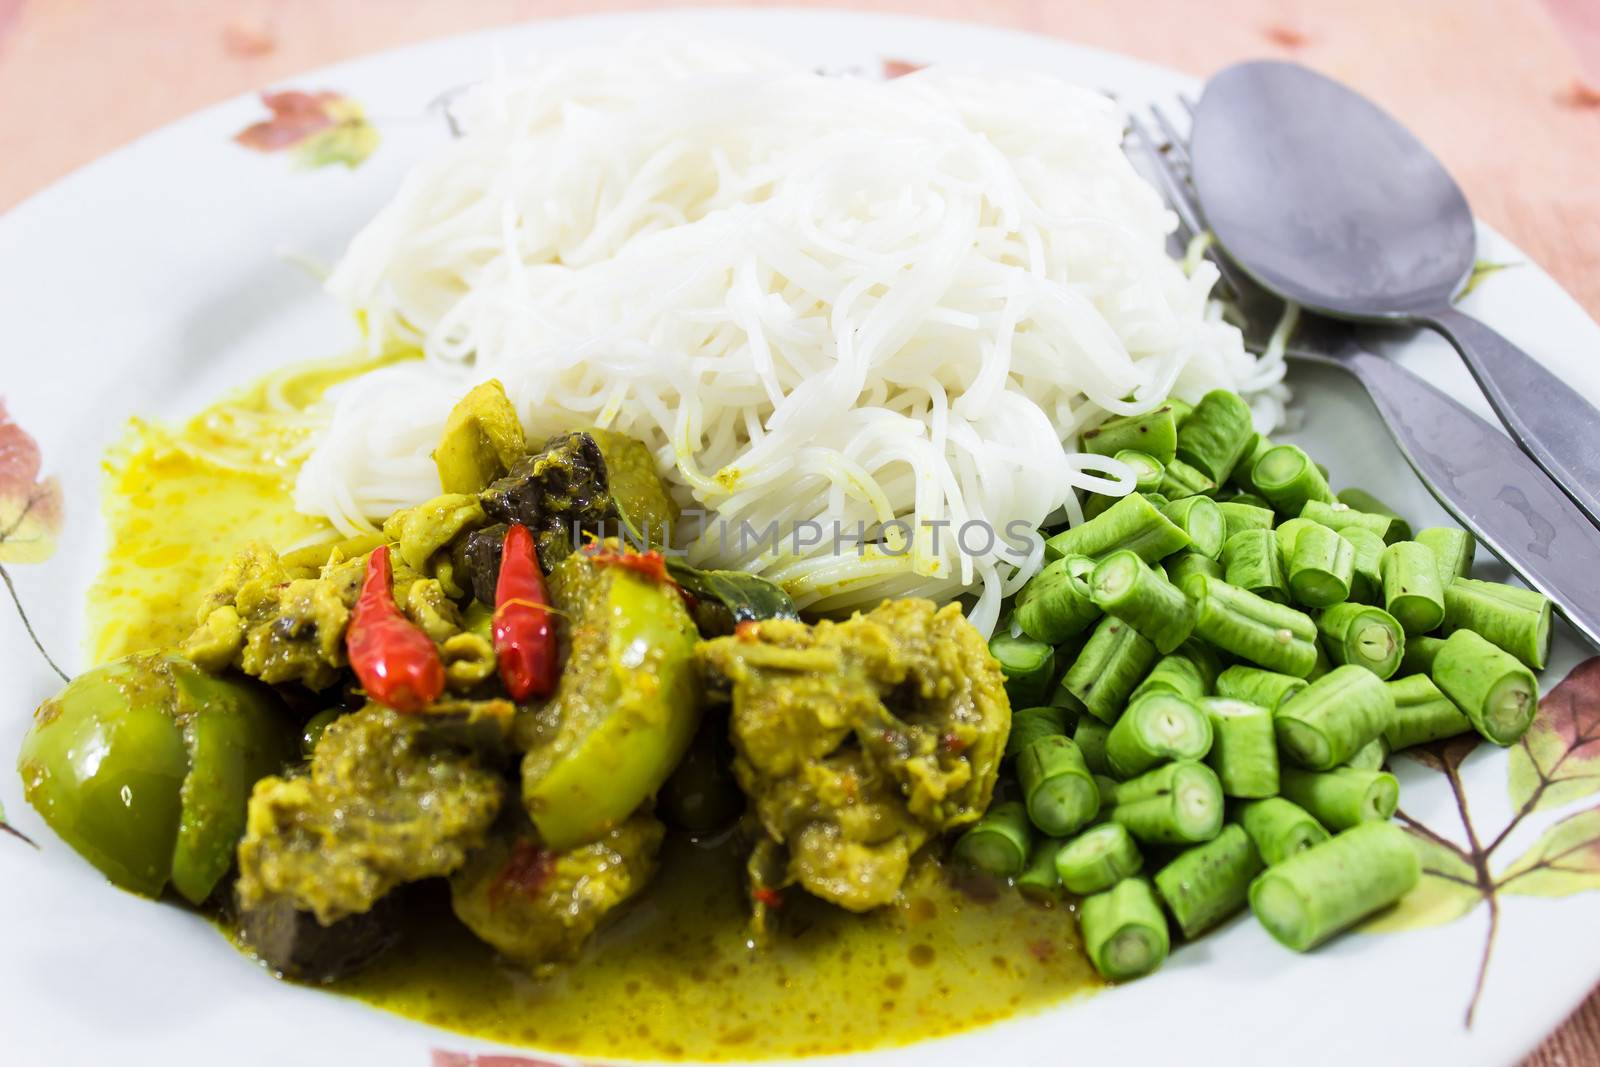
x=573 y=871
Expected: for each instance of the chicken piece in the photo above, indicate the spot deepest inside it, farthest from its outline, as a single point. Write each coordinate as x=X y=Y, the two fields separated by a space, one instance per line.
x=539 y=906
x=857 y=741
x=387 y=800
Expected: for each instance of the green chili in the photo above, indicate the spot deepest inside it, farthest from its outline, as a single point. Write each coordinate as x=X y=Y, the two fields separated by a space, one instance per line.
x=1495 y=690
x=1362 y=636
x=1516 y=619
x=1308 y=898
x=1280 y=828
x=1208 y=883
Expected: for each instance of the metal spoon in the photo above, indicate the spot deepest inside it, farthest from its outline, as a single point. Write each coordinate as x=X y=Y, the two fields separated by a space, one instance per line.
x=1327 y=201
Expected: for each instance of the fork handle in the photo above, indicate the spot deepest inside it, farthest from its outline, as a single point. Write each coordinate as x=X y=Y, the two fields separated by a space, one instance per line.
x=1491 y=487
x=1546 y=416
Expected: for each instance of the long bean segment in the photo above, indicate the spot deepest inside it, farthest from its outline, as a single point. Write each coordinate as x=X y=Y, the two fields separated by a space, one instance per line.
x=1201 y=519
x=1132 y=523
x=1495 y=690
x=1124 y=932
x=1271 y=635
x=1370 y=756
x=1157 y=727
x=1217 y=435
x=1343 y=797
x=1154 y=433
x=1175 y=804
x=1147 y=469
x=1454 y=550
x=1032 y=724
x=1256 y=686
x=1112 y=663
x=1516 y=619
x=1237 y=516
x=1243 y=476
x=1180 y=481
x=1321 y=568
x=1057 y=786
x=1253 y=561
x=1338 y=516
x=997 y=844
x=1286 y=476
x=1124 y=587
x=1098 y=859
x=1244 y=747
x=1028 y=666
x=1090 y=737
x=1055 y=604
x=1361 y=500
x=1363 y=636
x=1420 y=654
x=1184 y=565
x=1421 y=714
x=1210 y=882
x=1366 y=585
x=1411 y=589
x=1308 y=898
x=1280 y=828
x=1183 y=672
x=1325 y=724
x=1039 y=880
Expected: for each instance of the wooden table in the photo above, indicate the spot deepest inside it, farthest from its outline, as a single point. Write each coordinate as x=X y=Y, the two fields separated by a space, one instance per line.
x=1506 y=91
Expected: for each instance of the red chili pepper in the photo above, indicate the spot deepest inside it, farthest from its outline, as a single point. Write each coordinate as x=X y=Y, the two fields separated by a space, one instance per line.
x=396 y=662
x=522 y=633
x=954 y=744
x=652 y=564
x=748 y=631
x=768 y=896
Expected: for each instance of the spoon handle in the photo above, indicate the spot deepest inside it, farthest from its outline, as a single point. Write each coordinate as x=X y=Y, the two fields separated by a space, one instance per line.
x=1492 y=489
x=1546 y=416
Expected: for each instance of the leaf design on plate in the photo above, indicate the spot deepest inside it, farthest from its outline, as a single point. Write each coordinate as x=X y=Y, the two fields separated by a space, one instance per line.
x=30 y=514
x=1565 y=860
x=316 y=128
x=1558 y=759
x=1445 y=756
x=899 y=68
x=1448 y=890
x=444 y=1058
x=7 y=828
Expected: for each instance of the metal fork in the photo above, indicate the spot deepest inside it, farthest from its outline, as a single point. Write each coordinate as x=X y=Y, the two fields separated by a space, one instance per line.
x=1473 y=469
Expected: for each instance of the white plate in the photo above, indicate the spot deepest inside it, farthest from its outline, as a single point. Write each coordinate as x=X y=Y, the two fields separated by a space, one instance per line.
x=152 y=280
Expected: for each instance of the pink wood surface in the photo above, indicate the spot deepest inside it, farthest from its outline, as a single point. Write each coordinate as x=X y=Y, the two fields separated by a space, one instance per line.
x=1506 y=91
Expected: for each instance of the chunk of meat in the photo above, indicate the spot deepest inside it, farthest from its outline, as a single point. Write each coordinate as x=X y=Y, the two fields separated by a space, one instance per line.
x=556 y=491
x=538 y=906
x=857 y=741
x=385 y=801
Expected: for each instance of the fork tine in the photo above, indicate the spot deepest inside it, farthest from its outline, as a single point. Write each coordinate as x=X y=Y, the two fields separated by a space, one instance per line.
x=1177 y=144
x=1188 y=103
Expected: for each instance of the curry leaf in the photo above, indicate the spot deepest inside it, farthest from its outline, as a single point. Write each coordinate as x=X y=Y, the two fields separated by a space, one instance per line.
x=316 y=128
x=747 y=597
x=1448 y=890
x=1565 y=860
x=1558 y=759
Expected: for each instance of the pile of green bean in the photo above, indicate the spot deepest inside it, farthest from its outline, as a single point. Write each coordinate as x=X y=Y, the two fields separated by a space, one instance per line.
x=1209 y=675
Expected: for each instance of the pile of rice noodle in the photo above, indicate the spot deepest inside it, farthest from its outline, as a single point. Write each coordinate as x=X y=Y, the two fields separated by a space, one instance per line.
x=826 y=298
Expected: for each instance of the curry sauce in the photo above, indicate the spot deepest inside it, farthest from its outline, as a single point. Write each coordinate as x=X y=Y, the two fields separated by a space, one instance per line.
x=675 y=975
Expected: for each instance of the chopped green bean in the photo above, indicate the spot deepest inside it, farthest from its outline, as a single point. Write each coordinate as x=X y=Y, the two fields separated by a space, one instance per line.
x=1453 y=548
x=1321 y=568
x=1344 y=796
x=1110 y=666
x=1147 y=469
x=1028 y=666
x=1361 y=500
x=1090 y=737
x=1210 y=882
x=998 y=843
x=1340 y=516
x=1308 y=898
x=1181 y=566
x=1132 y=523
x=1156 y=728
x=1516 y=619
x=1243 y=476
x=1108 y=790
x=1421 y=713
x=1180 y=480
x=1270 y=635
x=1411 y=589
x=1252 y=499
x=1370 y=756
x=1181 y=410
x=1057 y=787
x=1286 y=532
x=1154 y=433
x=1256 y=686
x=1325 y=724
x=1323 y=667
x=1098 y=859
x=1420 y=653
x=1123 y=586
x=1124 y=932
x=1199 y=517
x=1180 y=673
x=1253 y=562
x=1030 y=724
x=1039 y=880
x=1366 y=586
x=1055 y=604
x=1280 y=828
x=1244 y=747
x=1495 y=690
x=1288 y=479
x=1217 y=435
x=1175 y=804
x=1363 y=636
x=1237 y=517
